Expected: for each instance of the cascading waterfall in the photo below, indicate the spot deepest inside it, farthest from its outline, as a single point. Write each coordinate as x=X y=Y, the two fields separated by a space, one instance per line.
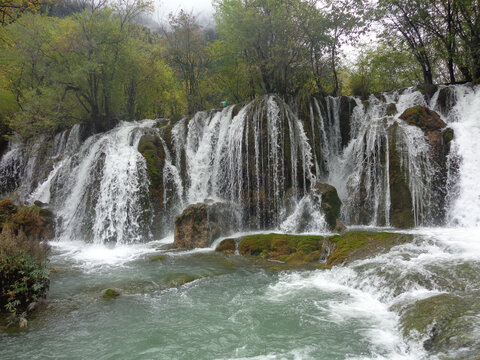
x=100 y=191
x=418 y=300
x=361 y=171
x=240 y=158
x=464 y=118
x=259 y=157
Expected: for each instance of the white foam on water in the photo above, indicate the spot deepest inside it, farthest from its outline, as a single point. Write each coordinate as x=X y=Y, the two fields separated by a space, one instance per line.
x=347 y=302
x=92 y=256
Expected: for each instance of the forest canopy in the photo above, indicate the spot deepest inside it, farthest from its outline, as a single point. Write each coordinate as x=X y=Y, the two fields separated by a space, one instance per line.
x=68 y=61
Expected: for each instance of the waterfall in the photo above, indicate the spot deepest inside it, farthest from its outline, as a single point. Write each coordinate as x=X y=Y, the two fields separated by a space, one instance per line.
x=261 y=159
x=464 y=119
x=100 y=191
x=238 y=155
x=361 y=171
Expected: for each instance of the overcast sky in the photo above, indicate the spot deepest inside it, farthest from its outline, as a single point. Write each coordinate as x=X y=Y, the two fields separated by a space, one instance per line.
x=202 y=7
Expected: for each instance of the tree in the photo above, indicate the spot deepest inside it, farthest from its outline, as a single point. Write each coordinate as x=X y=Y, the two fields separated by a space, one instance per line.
x=96 y=66
x=405 y=18
x=383 y=68
x=269 y=35
x=10 y=10
x=188 y=54
x=347 y=19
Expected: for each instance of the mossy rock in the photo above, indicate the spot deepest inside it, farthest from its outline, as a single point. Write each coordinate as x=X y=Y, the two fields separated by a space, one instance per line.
x=391 y=109
x=423 y=117
x=295 y=250
x=110 y=293
x=356 y=245
x=331 y=203
x=443 y=318
x=227 y=246
x=176 y=280
x=447 y=136
x=158 y=258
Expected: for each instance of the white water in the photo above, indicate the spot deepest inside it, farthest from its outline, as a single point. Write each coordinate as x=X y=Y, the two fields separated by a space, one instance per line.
x=464 y=119
x=100 y=191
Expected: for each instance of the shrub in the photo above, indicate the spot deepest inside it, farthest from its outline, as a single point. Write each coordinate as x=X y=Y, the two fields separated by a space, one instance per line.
x=23 y=257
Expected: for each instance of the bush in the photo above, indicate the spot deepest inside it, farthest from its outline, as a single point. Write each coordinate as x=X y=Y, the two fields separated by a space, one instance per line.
x=23 y=257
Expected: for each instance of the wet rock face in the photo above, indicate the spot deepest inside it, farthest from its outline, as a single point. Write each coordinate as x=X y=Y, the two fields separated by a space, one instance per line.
x=401 y=212
x=346 y=108
x=444 y=319
x=424 y=118
x=439 y=138
x=151 y=148
x=199 y=225
x=330 y=203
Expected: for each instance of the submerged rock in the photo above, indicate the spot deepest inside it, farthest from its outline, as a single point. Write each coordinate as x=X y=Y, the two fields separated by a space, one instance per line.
x=199 y=225
x=110 y=293
x=158 y=258
x=445 y=320
x=227 y=246
x=176 y=280
x=357 y=245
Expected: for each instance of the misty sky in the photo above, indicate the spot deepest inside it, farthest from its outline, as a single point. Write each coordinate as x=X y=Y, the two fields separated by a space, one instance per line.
x=199 y=6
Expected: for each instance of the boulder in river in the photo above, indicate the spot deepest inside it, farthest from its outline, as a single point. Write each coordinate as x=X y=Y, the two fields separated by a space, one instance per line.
x=199 y=225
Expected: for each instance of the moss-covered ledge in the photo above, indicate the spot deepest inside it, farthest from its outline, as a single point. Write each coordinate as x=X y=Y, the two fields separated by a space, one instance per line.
x=314 y=251
x=357 y=245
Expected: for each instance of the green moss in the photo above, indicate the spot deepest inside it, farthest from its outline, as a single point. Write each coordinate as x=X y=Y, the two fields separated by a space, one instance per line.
x=109 y=294
x=447 y=135
x=157 y=258
x=391 y=109
x=357 y=245
x=297 y=249
x=294 y=251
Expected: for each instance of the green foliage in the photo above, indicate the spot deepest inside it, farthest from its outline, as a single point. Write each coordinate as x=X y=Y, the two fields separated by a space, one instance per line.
x=95 y=65
x=358 y=245
x=11 y=10
x=380 y=69
x=23 y=273
x=443 y=35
